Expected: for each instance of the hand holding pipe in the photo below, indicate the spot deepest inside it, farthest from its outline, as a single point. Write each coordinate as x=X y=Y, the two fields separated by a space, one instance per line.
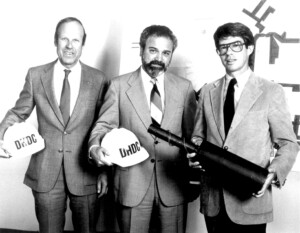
x=230 y=168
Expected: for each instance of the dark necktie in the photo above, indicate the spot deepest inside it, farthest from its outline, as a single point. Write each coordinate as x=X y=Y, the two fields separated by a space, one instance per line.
x=229 y=105
x=65 y=98
x=156 y=105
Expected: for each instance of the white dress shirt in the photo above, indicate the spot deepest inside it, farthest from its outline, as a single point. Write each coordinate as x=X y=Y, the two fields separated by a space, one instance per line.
x=238 y=87
x=74 y=81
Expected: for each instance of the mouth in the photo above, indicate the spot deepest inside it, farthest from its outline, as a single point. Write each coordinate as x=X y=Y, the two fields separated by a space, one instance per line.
x=230 y=61
x=68 y=54
x=156 y=65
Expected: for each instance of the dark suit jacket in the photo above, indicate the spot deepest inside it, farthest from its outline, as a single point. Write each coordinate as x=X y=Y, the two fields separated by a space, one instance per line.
x=261 y=120
x=126 y=106
x=67 y=145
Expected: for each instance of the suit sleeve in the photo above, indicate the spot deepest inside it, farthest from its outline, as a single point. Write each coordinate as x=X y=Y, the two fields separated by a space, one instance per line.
x=108 y=117
x=282 y=135
x=189 y=113
x=199 y=132
x=22 y=109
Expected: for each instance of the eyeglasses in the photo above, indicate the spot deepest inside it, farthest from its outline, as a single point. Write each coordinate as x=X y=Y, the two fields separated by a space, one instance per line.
x=236 y=46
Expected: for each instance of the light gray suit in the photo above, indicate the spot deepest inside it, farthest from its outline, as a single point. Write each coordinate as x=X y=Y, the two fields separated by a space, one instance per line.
x=125 y=105
x=62 y=144
x=65 y=146
x=261 y=121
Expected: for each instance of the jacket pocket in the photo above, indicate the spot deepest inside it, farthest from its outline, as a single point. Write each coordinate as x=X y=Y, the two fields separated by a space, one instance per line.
x=259 y=205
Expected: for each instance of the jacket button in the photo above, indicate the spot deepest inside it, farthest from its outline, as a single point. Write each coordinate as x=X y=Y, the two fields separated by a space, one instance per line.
x=60 y=150
x=152 y=160
x=155 y=142
x=225 y=147
x=65 y=133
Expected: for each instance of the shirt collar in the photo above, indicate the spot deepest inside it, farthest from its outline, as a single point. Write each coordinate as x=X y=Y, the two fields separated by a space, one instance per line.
x=241 y=79
x=74 y=69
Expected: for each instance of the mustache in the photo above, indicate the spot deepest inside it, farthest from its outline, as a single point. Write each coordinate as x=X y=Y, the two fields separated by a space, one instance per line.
x=155 y=62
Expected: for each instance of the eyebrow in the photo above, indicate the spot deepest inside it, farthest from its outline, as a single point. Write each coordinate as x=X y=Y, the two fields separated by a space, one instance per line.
x=231 y=43
x=167 y=50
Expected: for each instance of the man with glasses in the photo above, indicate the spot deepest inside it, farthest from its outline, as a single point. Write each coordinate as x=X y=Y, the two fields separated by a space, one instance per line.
x=248 y=116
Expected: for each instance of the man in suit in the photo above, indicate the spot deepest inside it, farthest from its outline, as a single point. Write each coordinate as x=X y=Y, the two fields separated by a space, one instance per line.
x=261 y=122
x=156 y=187
x=66 y=107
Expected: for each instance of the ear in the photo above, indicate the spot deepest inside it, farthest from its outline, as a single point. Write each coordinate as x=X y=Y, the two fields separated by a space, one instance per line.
x=250 y=49
x=141 y=52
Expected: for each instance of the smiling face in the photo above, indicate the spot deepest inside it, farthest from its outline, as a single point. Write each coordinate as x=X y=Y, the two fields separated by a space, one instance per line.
x=157 y=55
x=235 y=62
x=69 y=43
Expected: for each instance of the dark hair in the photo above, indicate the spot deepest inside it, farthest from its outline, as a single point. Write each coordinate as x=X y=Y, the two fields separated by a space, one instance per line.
x=67 y=20
x=158 y=31
x=236 y=30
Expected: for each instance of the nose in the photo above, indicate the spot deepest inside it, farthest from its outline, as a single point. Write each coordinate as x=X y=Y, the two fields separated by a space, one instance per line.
x=69 y=44
x=159 y=57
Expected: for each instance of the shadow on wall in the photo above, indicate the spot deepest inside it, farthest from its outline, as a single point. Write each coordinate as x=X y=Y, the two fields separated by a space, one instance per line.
x=109 y=59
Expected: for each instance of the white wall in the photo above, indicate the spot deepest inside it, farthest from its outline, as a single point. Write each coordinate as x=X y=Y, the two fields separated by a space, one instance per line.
x=27 y=40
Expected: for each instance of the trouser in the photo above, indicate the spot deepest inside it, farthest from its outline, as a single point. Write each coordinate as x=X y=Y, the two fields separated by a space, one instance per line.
x=151 y=215
x=51 y=206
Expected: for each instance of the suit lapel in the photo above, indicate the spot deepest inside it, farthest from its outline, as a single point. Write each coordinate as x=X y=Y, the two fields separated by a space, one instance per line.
x=216 y=96
x=85 y=85
x=249 y=96
x=136 y=95
x=47 y=83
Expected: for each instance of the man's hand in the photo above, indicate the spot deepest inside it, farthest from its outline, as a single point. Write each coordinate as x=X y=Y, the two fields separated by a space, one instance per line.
x=194 y=164
x=190 y=156
x=102 y=184
x=100 y=156
x=4 y=153
x=270 y=179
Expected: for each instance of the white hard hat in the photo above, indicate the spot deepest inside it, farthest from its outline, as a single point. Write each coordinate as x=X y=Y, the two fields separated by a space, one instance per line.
x=123 y=147
x=22 y=139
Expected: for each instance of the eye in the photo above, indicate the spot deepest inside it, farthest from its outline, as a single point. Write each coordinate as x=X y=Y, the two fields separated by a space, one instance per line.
x=223 y=46
x=236 y=45
x=75 y=41
x=152 y=51
x=167 y=53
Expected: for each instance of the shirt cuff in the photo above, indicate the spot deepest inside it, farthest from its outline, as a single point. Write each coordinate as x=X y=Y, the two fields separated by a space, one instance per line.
x=93 y=146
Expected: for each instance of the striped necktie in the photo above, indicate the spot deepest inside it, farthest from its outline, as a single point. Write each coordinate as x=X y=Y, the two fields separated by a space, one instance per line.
x=229 y=107
x=156 y=105
x=65 y=98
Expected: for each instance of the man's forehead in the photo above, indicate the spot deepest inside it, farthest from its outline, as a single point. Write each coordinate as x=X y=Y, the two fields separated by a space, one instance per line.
x=71 y=27
x=155 y=41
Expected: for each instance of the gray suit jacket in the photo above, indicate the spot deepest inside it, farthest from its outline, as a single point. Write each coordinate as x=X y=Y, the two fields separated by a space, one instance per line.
x=126 y=106
x=261 y=121
x=67 y=145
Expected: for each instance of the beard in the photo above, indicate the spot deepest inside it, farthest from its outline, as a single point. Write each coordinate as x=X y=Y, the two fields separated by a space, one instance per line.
x=154 y=68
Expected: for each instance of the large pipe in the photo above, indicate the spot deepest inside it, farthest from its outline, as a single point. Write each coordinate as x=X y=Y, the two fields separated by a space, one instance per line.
x=231 y=169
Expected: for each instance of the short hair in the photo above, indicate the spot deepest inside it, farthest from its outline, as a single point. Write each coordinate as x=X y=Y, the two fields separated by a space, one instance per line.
x=236 y=30
x=67 y=20
x=157 y=31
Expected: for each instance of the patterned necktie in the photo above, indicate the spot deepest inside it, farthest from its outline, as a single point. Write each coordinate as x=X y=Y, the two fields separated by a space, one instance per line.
x=229 y=107
x=156 y=105
x=65 y=98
